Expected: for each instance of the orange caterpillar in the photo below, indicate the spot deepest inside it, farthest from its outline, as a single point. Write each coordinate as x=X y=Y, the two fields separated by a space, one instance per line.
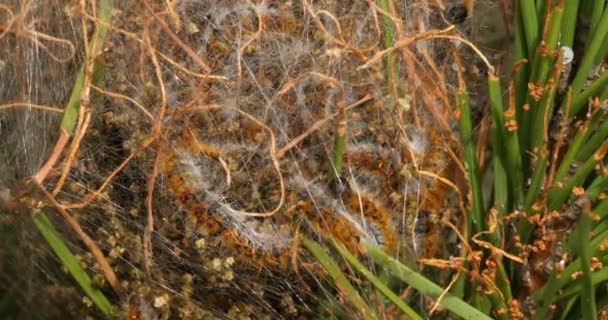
x=325 y=221
x=379 y=164
x=437 y=198
x=245 y=236
x=360 y=215
x=377 y=216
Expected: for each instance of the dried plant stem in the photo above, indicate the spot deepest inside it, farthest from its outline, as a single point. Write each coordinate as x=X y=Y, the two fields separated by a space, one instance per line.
x=177 y=23
x=55 y=153
x=148 y=253
x=29 y=106
x=80 y=132
x=121 y=96
x=403 y=43
x=156 y=131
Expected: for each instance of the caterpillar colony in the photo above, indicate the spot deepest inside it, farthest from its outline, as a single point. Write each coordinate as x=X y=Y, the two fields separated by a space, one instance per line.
x=219 y=177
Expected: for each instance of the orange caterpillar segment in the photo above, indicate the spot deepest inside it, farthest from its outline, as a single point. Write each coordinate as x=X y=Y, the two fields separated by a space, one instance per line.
x=247 y=254
x=436 y=198
x=358 y=215
x=378 y=164
x=212 y=224
x=176 y=180
x=368 y=159
x=377 y=217
x=364 y=217
x=345 y=231
x=185 y=197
